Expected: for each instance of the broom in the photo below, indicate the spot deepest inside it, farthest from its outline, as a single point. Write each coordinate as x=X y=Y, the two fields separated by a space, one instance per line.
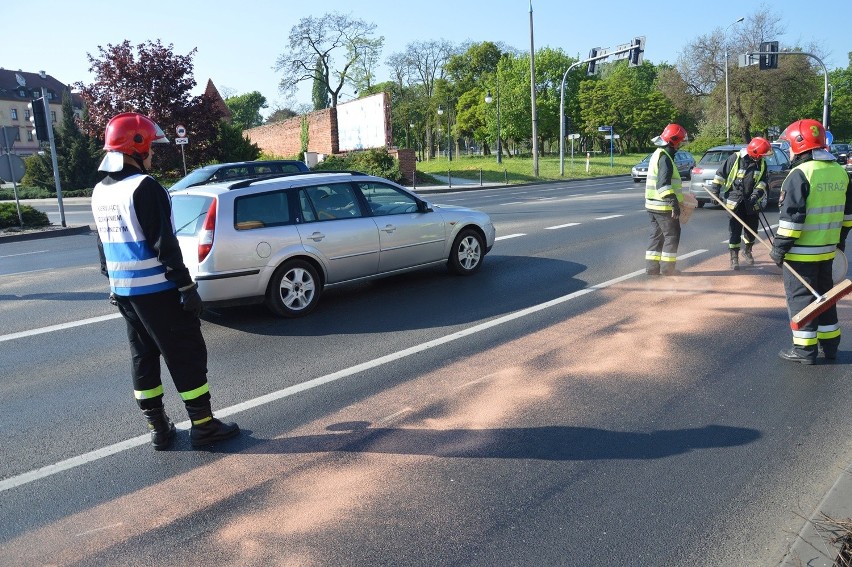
x=822 y=302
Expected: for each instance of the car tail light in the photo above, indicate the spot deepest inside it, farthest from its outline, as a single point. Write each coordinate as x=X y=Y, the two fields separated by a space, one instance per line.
x=205 y=235
x=697 y=170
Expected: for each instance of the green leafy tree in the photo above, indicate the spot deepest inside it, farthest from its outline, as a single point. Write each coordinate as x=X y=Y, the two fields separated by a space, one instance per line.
x=245 y=109
x=319 y=94
x=233 y=145
x=841 y=110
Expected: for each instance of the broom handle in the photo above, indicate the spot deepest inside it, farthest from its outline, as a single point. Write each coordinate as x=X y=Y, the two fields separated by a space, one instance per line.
x=759 y=239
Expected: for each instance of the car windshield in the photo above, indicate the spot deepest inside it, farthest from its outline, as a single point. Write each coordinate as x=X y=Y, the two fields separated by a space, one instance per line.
x=715 y=157
x=196 y=177
x=189 y=212
x=840 y=148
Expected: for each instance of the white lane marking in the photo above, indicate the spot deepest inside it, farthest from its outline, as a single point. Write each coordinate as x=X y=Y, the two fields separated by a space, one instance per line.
x=394 y=415
x=509 y=236
x=31 y=476
x=513 y=203
x=561 y=226
x=23 y=253
x=28 y=272
x=519 y=193
x=575 y=195
x=101 y=529
x=59 y=327
x=609 y=217
x=606 y=191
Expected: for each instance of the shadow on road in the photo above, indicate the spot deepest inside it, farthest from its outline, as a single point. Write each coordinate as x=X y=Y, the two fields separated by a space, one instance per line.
x=551 y=443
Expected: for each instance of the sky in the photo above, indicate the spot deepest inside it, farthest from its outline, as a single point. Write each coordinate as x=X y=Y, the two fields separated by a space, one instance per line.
x=238 y=43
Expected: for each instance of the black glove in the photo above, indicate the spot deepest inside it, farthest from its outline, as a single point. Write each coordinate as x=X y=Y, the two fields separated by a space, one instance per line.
x=113 y=299
x=841 y=246
x=777 y=256
x=675 y=209
x=191 y=300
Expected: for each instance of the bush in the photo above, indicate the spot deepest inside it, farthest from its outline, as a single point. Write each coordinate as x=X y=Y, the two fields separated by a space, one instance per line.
x=376 y=162
x=32 y=217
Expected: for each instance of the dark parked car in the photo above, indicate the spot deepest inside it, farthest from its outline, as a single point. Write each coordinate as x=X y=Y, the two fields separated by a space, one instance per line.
x=237 y=171
x=841 y=153
x=683 y=160
x=777 y=167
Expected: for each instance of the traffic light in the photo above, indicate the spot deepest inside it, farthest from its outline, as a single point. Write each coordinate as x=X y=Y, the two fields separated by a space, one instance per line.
x=634 y=56
x=38 y=118
x=592 y=64
x=769 y=61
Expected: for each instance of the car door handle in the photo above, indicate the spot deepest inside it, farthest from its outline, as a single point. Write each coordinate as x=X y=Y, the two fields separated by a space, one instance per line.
x=317 y=236
x=389 y=228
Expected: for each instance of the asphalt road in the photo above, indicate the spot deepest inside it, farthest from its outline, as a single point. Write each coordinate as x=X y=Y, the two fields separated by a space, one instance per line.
x=557 y=408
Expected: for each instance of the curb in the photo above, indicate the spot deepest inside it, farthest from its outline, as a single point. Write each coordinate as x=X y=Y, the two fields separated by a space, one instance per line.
x=470 y=185
x=812 y=546
x=14 y=237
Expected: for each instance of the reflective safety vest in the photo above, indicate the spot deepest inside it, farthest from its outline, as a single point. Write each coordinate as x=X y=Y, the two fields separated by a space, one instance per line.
x=738 y=175
x=655 y=199
x=132 y=264
x=817 y=237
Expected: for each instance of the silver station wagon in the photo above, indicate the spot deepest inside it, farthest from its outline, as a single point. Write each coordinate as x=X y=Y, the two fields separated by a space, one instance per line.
x=282 y=240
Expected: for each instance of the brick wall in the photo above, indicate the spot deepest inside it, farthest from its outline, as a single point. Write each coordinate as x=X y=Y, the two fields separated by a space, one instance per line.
x=285 y=138
x=407 y=162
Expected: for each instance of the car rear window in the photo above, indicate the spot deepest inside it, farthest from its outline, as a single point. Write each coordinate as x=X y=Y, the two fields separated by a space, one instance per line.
x=189 y=212
x=196 y=177
x=714 y=158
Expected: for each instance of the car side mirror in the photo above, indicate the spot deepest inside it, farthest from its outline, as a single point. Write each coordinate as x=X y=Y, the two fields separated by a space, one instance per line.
x=424 y=207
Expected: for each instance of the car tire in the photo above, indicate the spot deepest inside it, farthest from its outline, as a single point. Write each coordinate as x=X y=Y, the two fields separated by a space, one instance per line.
x=294 y=289
x=467 y=253
x=700 y=204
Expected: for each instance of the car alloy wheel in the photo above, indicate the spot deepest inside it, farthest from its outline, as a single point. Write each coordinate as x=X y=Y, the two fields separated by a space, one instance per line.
x=466 y=254
x=294 y=289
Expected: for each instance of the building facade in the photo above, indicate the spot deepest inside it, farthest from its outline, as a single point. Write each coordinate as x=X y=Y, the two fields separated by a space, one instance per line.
x=17 y=90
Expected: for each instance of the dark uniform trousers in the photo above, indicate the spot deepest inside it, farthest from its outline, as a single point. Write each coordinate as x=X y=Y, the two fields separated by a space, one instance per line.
x=817 y=274
x=665 y=239
x=157 y=325
x=735 y=229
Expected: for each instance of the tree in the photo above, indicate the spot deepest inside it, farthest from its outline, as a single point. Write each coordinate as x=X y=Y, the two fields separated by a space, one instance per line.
x=281 y=114
x=319 y=93
x=151 y=80
x=363 y=76
x=841 y=109
x=77 y=157
x=314 y=43
x=233 y=145
x=245 y=109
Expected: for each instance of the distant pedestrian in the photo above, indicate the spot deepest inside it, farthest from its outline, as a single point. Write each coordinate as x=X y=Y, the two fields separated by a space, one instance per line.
x=813 y=223
x=741 y=183
x=150 y=283
x=662 y=201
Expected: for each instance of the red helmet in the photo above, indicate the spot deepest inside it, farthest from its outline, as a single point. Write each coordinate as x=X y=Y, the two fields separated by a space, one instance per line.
x=759 y=147
x=673 y=134
x=804 y=135
x=132 y=134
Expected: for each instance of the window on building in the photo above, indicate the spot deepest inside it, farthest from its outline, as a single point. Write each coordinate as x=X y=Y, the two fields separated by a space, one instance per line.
x=27 y=115
x=22 y=92
x=29 y=135
x=53 y=116
x=14 y=113
x=17 y=134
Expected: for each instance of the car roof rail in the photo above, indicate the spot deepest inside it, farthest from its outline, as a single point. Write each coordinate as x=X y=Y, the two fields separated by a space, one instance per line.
x=249 y=182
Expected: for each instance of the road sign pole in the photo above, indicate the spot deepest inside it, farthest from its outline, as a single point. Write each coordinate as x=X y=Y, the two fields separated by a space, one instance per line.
x=183 y=157
x=611 y=137
x=53 y=155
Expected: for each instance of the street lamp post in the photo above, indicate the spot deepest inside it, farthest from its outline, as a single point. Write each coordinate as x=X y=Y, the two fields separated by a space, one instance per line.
x=449 y=138
x=727 y=96
x=488 y=100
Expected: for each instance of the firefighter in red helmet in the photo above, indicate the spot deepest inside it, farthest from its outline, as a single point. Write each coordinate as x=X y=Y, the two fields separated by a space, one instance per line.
x=741 y=183
x=662 y=201
x=813 y=222
x=150 y=284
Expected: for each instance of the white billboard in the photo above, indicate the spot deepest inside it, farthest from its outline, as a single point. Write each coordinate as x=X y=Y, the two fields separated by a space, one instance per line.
x=364 y=123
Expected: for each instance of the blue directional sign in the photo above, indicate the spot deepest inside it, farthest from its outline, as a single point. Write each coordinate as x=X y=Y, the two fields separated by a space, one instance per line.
x=604 y=128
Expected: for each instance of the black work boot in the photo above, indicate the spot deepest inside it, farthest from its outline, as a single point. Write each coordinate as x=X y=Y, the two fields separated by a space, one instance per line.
x=794 y=356
x=735 y=259
x=749 y=259
x=161 y=427
x=206 y=429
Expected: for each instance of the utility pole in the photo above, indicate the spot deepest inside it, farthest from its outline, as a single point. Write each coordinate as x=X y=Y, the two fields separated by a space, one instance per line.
x=532 y=98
